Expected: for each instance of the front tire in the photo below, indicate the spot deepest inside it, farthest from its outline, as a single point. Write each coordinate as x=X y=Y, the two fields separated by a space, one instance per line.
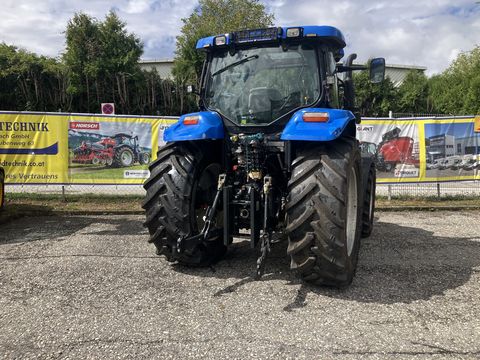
x=324 y=212
x=182 y=183
x=144 y=158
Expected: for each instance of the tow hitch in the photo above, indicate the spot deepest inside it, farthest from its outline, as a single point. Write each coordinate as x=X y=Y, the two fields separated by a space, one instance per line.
x=188 y=244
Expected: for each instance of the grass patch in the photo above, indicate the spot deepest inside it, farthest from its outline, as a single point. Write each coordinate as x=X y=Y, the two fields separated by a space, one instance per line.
x=76 y=202
x=76 y=166
x=25 y=204
x=429 y=201
x=73 y=197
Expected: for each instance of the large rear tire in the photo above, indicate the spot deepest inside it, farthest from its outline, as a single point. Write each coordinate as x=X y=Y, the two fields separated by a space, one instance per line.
x=182 y=183
x=324 y=212
x=123 y=157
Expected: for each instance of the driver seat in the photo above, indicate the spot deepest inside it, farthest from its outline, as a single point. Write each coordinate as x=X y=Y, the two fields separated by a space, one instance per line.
x=260 y=100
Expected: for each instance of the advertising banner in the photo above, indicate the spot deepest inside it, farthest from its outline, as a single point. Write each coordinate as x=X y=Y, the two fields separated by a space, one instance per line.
x=54 y=148
x=421 y=149
x=33 y=148
x=77 y=148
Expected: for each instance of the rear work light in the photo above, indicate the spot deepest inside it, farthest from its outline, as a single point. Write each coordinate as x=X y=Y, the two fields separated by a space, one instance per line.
x=293 y=32
x=315 y=117
x=220 y=40
x=190 y=120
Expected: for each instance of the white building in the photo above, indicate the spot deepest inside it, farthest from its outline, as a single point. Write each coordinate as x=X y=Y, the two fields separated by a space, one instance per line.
x=467 y=145
x=163 y=67
x=441 y=146
x=396 y=73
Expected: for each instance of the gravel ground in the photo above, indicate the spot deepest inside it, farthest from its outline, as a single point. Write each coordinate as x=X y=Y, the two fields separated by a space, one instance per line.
x=91 y=287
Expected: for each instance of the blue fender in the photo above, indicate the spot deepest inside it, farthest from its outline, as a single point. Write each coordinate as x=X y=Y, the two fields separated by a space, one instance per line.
x=209 y=126
x=298 y=129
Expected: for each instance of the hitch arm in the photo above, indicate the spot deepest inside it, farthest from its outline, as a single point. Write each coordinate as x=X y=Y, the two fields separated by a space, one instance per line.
x=204 y=235
x=211 y=211
x=266 y=234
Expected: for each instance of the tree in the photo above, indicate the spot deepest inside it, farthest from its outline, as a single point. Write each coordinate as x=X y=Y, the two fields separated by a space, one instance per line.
x=213 y=17
x=457 y=89
x=413 y=94
x=118 y=60
x=103 y=61
x=374 y=99
x=31 y=82
x=82 y=51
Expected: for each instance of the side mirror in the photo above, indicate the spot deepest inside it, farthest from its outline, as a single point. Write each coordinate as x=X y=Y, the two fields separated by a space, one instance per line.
x=377 y=70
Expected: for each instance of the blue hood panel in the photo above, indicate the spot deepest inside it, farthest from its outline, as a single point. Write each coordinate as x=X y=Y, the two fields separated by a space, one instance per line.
x=297 y=129
x=209 y=126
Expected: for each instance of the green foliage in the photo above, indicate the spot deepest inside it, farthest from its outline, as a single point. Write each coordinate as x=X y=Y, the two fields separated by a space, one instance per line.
x=100 y=64
x=374 y=99
x=103 y=62
x=31 y=82
x=413 y=96
x=457 y=89
x=213 y=17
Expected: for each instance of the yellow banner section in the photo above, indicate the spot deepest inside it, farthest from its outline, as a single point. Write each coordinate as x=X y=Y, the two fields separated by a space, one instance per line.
x=78 y=149
x=477 y=123
x=422 y=149
x=33 y=148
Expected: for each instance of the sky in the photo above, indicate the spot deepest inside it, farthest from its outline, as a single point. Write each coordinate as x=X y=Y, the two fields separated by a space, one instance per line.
x=428 y=33
x=455 y=129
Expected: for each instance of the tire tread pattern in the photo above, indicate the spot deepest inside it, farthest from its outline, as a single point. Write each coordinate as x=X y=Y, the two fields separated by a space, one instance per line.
x=316 y=212
x=168 y=203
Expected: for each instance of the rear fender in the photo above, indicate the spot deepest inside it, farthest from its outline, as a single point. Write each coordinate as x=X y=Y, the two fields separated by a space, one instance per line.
x=298 y=129
x=208 y=126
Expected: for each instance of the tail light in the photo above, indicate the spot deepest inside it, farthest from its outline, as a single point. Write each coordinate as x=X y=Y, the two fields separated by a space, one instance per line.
x=190 y=120
x=315 y=117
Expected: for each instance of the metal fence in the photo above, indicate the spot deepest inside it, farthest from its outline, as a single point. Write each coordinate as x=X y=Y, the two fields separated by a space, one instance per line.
x=440 y=189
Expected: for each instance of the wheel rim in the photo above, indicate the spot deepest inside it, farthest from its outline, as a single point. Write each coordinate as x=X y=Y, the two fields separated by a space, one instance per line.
x=372 y=199
x=205 y=190
x=126 y=158
x=352 y=210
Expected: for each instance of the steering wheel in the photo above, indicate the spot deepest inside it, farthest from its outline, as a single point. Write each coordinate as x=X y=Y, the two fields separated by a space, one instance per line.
x=287 y=100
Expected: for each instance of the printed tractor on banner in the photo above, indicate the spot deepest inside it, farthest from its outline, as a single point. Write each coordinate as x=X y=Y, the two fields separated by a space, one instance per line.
x=272 y=151
x=120 y=150
x=393 y=150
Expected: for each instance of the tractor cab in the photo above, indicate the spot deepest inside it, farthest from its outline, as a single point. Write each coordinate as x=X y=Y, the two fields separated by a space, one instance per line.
x=124 y=139
x=260 y=78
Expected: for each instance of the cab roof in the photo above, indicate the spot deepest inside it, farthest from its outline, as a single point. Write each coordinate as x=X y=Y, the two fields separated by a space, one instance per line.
x=276 y=34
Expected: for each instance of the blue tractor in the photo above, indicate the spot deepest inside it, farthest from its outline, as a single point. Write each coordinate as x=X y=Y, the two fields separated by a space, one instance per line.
x=272 y=150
